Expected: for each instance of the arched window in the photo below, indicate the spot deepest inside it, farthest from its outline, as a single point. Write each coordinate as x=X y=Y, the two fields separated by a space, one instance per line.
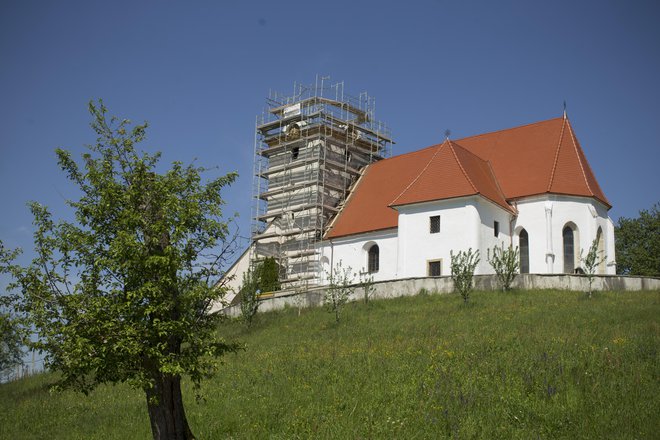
x=601 y=251
x=373 y=260
x=568 y=237
x=523 y=243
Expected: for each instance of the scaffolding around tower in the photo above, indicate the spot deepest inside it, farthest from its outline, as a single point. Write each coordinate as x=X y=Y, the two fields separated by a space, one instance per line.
x=309 y=150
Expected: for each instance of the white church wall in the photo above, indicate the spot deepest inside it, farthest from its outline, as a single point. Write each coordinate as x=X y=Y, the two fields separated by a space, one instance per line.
x=489 y=213
x=469 y=222
x=233 y=279
x=460 y=228
x=610 y=259
x=544 y=218
x=352 y=251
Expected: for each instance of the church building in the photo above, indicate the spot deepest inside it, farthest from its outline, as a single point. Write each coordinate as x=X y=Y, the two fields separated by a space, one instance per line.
x=530 y=187
x=325 y=191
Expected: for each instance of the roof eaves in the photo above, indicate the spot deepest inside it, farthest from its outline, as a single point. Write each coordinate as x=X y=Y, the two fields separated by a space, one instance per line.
x=368 y=231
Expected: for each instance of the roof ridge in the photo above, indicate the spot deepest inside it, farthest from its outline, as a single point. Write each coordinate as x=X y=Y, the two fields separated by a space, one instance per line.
x=554 y=164
x=497 y=182
x=412 y=182
x=460 y=165
x=492 y=173
x=577 y=153
x=489 y=133
x=405 y=154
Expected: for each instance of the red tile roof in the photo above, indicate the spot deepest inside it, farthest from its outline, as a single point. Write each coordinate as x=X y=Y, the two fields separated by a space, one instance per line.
x=452 y=172
x=544 y=157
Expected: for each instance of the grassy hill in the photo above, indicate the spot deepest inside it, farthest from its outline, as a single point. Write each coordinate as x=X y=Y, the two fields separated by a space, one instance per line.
x=543 y=364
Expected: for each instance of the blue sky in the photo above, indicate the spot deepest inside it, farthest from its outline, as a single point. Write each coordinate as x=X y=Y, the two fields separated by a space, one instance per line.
x=199 y=72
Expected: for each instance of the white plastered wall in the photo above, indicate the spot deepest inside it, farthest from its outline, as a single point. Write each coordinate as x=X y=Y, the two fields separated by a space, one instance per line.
x=460 y=229
x=544 y=218
x=352 y=251
x=233 y=279
x=489 y=213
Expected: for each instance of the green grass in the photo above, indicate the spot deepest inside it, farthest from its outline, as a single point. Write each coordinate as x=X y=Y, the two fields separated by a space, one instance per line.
x=525 y=365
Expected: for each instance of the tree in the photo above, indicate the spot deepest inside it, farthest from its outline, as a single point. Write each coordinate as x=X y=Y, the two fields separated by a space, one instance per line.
x=123 y=293
x=264 y=278
x=367 y=283
x=590 y=263
x=638 y=243
x=463 y=264
x=268 y=275
x=339 y=290
x=11 y=332
x=505 y=263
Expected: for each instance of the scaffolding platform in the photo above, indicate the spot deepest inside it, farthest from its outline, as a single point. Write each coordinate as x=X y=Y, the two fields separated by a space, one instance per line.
x=309 y=150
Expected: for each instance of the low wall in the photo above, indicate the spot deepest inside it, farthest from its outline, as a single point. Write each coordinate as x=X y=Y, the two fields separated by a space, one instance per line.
x=411 y=286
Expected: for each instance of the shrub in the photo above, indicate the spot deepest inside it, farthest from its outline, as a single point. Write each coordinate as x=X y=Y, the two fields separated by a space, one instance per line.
x=505 y=263
x=463 y=264
x=263 y=278
x=590 y=263
x=339 y=290
x=249 y=296
x=367 y=283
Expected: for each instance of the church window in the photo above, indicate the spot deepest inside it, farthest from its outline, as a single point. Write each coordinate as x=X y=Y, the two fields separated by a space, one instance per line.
x=294 y=153
x=373 y=262
x=523 y=243
x=435 y=268
x=434 y=224
x=568 y=237
x=496 y=229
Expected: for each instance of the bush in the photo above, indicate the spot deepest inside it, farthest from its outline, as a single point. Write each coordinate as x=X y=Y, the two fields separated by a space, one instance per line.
x=462 y=270
x=367 y=283
x=264 y=278
x=339 y=290
x=505 y=263
x=590 y=263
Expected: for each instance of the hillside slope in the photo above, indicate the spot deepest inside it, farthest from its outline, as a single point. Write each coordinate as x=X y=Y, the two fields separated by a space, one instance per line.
x=509 y=365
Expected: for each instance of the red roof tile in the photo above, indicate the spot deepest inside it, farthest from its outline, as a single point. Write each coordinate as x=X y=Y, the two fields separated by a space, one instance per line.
x=544 y=157
x=366 y=208
x=452 y=172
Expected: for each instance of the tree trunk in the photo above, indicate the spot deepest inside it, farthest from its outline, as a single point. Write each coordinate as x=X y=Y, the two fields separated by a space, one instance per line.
x=166 y=412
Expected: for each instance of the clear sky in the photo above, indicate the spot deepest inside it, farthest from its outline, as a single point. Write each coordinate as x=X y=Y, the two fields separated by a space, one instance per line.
x=199 y=72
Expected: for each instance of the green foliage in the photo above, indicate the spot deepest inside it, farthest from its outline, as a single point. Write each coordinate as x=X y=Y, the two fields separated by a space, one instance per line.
x=264 y=278
x=11 y=343
x=528 y=365
x=638 y=243
x=249 y=296
x=423 y=292
x=268 y=275
x=505 y=263
x=339 y=290
x=367 y=284
x=122 y=293
x=591 y=262
x=12 y=333
x=463 y=264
